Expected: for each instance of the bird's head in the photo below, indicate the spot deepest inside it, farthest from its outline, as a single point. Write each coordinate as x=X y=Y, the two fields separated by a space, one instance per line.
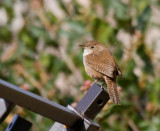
x=91 y=47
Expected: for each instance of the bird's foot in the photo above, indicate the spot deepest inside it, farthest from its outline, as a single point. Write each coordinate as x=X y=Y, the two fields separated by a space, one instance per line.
x=96 y=81
x=102 y=85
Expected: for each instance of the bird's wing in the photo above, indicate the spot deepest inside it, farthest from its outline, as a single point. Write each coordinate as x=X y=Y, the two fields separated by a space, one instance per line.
x=102 y=62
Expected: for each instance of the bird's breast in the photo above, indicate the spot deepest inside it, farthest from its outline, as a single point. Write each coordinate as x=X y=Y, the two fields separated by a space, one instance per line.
x=91 y=71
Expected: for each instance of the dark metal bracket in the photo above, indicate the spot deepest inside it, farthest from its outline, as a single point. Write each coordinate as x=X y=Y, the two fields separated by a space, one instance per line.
x=5 y=108
x=81 y=117
x=19 y=124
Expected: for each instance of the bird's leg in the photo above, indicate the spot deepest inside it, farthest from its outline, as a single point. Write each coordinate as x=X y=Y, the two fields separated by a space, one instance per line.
x=102 y=85
x=95 y=81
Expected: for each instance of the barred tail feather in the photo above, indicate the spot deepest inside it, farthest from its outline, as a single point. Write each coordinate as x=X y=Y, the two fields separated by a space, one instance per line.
x=119 y=71
x=112 y=90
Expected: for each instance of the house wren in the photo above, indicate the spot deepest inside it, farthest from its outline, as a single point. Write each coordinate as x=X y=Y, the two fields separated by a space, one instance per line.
x=100 y=65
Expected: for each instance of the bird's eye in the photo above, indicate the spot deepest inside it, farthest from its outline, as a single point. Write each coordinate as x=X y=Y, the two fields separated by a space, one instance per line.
x=92 y=47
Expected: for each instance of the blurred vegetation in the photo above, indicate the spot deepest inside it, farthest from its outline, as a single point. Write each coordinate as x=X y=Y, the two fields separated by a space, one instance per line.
x=39 y=52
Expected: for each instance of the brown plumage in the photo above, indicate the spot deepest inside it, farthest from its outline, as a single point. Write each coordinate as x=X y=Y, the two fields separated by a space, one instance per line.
x=100 y=65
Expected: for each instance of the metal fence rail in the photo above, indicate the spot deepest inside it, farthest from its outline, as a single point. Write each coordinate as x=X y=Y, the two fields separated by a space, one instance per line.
x=79 y=117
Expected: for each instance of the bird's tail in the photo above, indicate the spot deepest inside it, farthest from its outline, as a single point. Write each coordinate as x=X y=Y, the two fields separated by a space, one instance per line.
x=112 y=90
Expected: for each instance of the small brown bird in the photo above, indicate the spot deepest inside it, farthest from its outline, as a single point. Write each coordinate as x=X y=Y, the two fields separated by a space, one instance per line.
x=100 y=65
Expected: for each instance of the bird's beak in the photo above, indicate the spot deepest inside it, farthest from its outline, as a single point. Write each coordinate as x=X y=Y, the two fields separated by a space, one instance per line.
x=82 y=46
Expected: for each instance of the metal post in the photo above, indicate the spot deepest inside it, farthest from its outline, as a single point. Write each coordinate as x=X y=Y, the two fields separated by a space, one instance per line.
x=89 y=106
x=79 y=118
x=93 y=101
